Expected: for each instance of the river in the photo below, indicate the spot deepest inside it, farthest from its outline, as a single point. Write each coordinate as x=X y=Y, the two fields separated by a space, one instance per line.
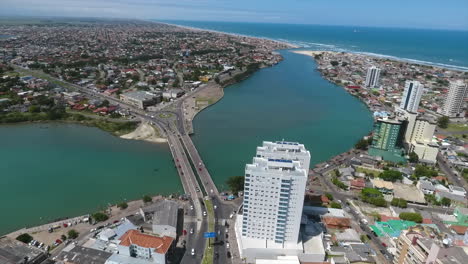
x=56 y=170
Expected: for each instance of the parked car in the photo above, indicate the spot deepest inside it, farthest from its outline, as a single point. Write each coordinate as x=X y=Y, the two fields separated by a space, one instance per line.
x=193 y=252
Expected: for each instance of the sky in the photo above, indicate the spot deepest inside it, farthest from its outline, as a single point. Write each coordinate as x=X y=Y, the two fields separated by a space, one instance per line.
x=431 y=14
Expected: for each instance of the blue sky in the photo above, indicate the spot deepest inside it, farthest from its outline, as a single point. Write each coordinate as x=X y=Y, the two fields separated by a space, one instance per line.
x=445 y=14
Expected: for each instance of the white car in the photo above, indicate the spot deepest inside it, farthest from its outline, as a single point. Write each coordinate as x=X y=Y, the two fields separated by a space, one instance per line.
x=193 y=252
x=191 y=230
x=204 y=213
x=227 y=244
x=191 y=207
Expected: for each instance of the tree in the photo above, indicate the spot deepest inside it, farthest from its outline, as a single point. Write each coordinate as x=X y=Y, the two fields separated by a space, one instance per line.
x=235 y=183
x=334 y=63
x=413 y=157
x=422 y=170
x=373 y=196
x=443 y=122
x=402 y=203
x=63 y=237
x=445 y=201
x=415 y=217
x=25 y=238
x=335 y=205
x=391 y=175
x=147 y=199
x=122 y=205
x=72 y=234
x=362 y=144
x=329 y=196
x=99 y=216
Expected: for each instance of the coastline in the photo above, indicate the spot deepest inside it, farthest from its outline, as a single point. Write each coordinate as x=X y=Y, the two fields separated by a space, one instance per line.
x=287 y=44
x=145 y=132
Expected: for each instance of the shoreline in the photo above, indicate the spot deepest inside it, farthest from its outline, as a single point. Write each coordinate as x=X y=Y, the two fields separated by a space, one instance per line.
x=288 y=44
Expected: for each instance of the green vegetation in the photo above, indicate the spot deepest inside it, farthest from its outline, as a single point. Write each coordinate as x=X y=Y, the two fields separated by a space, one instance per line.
x=368 y=171
x=445 y=201
x=335 y=205
x=208 y=256
x=329 y=196
x=364 y=238
x=235 y=183
x=422 y=170
x=25 y=238
x=391 y=175
x=415 y=217
x=147 y=199
x=443 y=122
x=72 y=234
x=363 y=143
x=457 y=127
x=99 y=216
x=373 y=196
x=413 y=157
x=339 y=183
x=430 y=198
x=122 y=205
x=402 y=203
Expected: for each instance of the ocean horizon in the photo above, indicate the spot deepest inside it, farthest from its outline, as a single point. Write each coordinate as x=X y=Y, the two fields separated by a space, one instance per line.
x=435 y=47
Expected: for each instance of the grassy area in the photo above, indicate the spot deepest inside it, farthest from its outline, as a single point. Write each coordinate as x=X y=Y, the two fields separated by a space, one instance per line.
x=375 y=173
x=208 y=256
x=202 y=100
x=165 y=115
x=454 y=127
x=41 y=75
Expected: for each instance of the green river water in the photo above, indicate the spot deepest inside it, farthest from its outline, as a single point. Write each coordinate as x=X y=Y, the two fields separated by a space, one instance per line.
x=49 y=171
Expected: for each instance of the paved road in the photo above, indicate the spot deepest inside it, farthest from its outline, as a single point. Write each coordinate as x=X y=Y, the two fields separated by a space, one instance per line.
x=447 y=169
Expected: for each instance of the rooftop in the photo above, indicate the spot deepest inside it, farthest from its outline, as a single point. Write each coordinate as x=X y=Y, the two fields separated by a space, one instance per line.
x=134 y=237
x=165 y=213
x=83 y=255
x=13 y=251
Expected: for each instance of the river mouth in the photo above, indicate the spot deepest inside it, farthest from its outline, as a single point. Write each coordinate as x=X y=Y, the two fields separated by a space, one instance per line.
x=289 y=101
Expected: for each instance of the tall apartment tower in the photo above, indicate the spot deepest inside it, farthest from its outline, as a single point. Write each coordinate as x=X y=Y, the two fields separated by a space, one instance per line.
x=372 y=77
x=285 y=150
x=411 y=96
x=454 y=102
x=274 y=191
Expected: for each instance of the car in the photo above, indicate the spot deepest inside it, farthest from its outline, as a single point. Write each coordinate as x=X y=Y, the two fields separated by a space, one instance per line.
x=200 y=169
x=191 y=207
x=231 y=215
x=214 y=206
x=228 y=254
x=383 y=244
x=227 y=236
x=193 y=252
x=227 y=230
x=227 y=244
x=204 y=213
x=191 y=230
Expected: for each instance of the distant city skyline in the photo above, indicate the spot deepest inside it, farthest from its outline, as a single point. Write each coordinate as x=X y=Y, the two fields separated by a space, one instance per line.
x=429 y=14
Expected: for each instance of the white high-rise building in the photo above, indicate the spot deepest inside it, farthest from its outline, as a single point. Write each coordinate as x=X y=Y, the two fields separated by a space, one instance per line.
x=273 y=200
x=454 y=102
x=285 y=150
x=372 y=77
x=411 y=96
x=274 y=190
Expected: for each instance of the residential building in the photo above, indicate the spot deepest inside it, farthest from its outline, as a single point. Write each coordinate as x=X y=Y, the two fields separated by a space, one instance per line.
x=411 y=96
x=455 y=100
x=422 y=244
x=372 y=77
x=419 y=136
x=273 y=200
x=144 y=247
x=140 y=99
x=274 y=191
x=285 y=150
x=388 y=140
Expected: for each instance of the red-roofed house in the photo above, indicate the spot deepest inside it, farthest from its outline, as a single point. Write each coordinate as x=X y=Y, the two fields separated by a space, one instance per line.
x=358 y=184
x=385 y=218
x=336 y=222
x=138 y=245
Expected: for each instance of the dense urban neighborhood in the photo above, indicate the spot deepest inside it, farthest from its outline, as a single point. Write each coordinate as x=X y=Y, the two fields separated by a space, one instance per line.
x=399 y=196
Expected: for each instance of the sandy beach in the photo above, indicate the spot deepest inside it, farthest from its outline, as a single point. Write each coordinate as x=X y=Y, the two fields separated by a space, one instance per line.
x=145 y=132
x=311 y=53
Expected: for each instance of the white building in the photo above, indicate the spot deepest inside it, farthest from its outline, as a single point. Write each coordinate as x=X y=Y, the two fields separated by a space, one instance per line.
x=274 y=191
x=419 y=136
x=411 y=96
x=454 y=102
x=372 y=77
x=136 y=247
x=285 y=150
